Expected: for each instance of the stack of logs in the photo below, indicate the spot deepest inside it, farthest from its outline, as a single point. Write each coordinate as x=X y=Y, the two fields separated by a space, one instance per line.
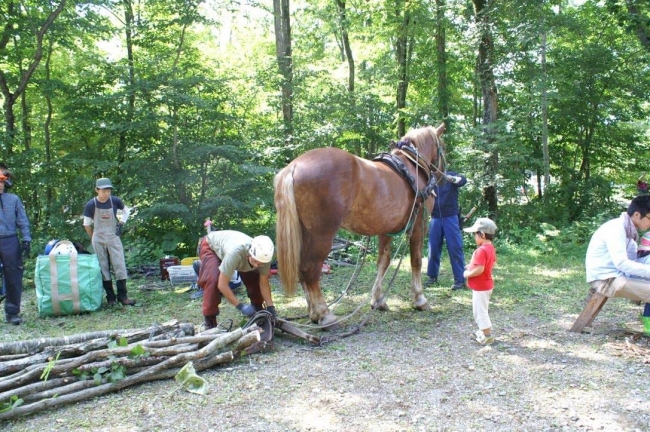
x=51 y=372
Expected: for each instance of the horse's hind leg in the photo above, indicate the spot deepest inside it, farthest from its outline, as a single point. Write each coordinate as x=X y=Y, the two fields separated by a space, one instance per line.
x=318 y=311
x=378 y=300
x=310 y=269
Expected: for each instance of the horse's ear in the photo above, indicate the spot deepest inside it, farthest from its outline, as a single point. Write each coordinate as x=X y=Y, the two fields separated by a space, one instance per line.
x=441 y=129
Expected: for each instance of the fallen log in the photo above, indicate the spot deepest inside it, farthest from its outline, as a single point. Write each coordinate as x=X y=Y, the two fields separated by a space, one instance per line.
x=37 y=387
x=33 y=373
x=75 y=390
x=36 y=345
x=59 y=391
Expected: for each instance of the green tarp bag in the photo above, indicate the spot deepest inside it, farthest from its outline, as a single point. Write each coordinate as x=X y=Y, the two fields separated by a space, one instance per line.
x=68 y=284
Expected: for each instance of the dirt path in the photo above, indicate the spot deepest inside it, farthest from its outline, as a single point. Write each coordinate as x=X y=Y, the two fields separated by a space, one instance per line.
x=407 y=371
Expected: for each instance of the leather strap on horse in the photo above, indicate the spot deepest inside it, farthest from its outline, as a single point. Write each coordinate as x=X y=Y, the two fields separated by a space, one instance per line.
x=400 y=168
x=407 y=149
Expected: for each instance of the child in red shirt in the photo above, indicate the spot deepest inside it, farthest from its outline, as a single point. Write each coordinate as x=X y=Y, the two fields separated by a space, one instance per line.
x=479 y=277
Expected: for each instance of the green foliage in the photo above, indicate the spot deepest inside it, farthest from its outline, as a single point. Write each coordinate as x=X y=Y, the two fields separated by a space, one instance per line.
x=102 y=375
x=13 y=402
x=138 y=351
x=190 y=126
x=120 y=342
x=50 y=364
x=115 y=372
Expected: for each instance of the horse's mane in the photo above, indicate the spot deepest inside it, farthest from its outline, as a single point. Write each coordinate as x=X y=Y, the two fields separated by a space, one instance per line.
x=424 y=138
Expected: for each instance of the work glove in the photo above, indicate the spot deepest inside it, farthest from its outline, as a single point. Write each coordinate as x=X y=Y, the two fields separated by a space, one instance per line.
x=454 y=179
x=272 y=310
x=246 y=309
x=118 y=229
x=26 y=248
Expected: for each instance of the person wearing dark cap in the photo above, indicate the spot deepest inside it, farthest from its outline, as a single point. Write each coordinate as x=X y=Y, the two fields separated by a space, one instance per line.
x=101 y=224
x=13 y=218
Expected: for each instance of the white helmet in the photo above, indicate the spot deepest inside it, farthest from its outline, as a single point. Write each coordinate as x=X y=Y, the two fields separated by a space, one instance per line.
x=262 y=249
x=63 y=248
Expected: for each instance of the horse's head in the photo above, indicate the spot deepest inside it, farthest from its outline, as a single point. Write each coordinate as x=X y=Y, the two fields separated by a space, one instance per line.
x=427 y=140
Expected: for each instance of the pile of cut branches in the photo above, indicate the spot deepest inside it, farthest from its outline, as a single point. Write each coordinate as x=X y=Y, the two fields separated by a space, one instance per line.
x=43 y=373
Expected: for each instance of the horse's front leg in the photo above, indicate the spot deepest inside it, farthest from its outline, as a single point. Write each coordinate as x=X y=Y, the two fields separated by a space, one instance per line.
x=378 y=300
x=420 y=302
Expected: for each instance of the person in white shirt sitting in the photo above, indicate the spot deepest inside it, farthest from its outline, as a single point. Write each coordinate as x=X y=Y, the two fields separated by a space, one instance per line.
x=612 y=264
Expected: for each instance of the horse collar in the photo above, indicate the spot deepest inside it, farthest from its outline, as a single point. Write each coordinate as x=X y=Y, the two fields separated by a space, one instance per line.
x=399 y=167
x=413 y=154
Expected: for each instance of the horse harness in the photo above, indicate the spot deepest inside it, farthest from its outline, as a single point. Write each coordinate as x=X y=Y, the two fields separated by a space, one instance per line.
x=395 y=163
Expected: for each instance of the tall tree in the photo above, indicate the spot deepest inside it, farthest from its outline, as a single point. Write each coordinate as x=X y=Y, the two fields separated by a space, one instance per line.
x=24 y=29
x=485 y=70
x=441 y=63
x=345 y=40
x=634 y=15
x=404 y=43
x=282 y=19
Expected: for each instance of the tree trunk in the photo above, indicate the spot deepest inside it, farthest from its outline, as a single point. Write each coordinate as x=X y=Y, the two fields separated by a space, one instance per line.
x=547 y=169
x=441 y=62
x=181 y=186
x=129 y=22
x=640 y=24
x=285 y=62
x=346 y=44
x=49 y=189
x=489 y=92
x=403 y=51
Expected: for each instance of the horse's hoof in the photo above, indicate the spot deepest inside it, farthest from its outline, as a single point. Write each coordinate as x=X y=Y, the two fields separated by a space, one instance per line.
x=381 y=306
x=329 y=322
x=423 y=307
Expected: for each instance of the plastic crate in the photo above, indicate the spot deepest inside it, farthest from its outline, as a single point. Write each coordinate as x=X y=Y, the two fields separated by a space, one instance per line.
x=181 y=274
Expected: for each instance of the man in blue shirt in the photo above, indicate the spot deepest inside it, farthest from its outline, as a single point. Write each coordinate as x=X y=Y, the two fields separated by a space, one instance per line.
x=13 y=218
x=445 y=225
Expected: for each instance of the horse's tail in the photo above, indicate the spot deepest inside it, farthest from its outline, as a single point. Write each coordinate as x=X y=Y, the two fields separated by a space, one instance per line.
x=288 y=231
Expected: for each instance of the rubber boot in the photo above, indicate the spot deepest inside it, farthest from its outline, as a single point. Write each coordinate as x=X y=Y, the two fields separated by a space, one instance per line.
x=210 y=321
x=110 y=294
x=13 y=319
x=646 y=325
x=121 y=293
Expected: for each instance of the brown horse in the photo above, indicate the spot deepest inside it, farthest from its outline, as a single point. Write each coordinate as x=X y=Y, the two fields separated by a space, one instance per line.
x=328 y=188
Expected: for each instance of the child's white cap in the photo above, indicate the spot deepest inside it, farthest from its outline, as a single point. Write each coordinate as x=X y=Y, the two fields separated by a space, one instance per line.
x=486 y=226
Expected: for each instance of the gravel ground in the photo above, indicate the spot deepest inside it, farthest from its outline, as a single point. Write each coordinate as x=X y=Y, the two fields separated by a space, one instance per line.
x=407 y=371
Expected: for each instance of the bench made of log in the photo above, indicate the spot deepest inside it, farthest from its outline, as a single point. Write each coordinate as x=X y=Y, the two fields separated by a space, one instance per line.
x=589 y=313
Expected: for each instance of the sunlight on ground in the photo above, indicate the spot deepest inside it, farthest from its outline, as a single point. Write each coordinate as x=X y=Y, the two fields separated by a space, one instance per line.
x=579 y=352
x=553 y=273
x=318 y=415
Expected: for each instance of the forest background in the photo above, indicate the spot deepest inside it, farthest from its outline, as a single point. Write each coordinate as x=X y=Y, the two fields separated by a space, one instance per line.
x=191 y=107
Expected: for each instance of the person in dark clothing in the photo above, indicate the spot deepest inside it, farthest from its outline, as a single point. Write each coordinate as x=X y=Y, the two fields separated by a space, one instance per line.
x=445 y=226
x=12 y=251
